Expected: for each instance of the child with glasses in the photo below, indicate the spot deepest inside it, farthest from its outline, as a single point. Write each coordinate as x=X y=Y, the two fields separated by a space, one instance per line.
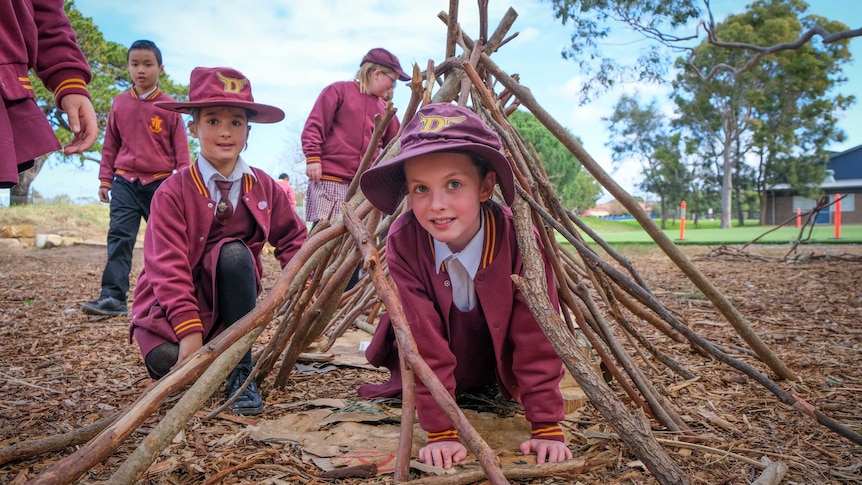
x=339 y=127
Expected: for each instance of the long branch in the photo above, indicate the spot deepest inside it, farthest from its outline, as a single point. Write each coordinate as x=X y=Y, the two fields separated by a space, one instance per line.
x=407 y=347
x=734 y=317
x=98 y=449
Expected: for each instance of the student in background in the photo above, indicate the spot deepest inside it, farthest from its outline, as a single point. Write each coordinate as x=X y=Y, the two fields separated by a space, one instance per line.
x=284 y=183
x=143 y=146
x=339 y=127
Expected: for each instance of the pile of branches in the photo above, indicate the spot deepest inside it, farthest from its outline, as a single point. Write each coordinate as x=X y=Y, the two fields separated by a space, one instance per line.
x=598 y=294
x=793 y=254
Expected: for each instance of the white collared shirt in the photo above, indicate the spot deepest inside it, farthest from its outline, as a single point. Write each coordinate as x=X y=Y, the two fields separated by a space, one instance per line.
x=469 y=257
x=147 y=94
x=210 y=174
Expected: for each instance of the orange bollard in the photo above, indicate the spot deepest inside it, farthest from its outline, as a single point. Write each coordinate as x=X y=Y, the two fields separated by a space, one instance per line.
x=682 y=221
x=798 y=217
x=837 y=216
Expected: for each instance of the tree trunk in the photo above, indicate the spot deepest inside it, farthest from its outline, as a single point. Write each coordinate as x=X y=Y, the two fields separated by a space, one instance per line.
x=663 y=213
x=726 y=189
x=20 y=194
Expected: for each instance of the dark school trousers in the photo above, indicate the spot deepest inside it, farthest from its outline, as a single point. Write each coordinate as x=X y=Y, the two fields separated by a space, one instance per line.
x=130 y=201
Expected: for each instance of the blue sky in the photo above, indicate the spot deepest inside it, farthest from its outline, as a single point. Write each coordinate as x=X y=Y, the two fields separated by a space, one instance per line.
x=291 y=49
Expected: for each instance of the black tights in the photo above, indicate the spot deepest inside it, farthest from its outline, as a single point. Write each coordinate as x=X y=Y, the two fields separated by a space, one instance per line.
x=236 y=284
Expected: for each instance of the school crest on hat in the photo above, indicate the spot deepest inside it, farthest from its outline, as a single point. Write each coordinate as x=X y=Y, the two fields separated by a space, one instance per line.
x=232 y=85
x=433 y=124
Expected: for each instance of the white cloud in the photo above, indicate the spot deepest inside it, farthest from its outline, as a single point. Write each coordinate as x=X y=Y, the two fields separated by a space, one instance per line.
x=291 y=49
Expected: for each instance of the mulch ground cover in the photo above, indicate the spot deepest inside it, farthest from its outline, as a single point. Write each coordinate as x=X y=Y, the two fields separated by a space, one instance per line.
x=61 y=370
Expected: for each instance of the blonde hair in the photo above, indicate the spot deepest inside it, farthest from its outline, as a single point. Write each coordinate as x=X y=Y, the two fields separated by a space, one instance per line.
x=363 y=75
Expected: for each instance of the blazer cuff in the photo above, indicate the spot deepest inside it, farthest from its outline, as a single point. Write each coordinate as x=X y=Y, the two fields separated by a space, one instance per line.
x=70 y=86
x=547 y=431
x=447 y=435
x=187 y=323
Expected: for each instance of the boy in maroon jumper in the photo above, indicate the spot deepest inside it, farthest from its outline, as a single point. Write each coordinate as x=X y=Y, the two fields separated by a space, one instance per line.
x=36 y=34
x=451 y=257
x=143 y=146
x=209 y=224
x=339 y=128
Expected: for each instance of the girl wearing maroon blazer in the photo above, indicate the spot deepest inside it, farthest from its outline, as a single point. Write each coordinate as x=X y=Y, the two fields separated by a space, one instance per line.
x=208 y=226
x=451 y=257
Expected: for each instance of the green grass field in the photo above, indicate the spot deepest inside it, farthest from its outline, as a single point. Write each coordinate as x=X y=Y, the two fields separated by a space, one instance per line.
x=93 y=219
x=708 y=233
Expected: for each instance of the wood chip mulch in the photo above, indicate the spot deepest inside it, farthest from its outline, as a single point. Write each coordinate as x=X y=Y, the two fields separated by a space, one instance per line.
x=61 y=370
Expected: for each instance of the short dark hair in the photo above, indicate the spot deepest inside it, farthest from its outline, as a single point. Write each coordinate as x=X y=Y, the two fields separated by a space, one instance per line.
x=146 y=45
x=283 y=176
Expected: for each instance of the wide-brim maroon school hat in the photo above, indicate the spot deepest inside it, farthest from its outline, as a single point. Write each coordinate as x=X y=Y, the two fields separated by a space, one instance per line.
x=440 y=127
x=223 y=86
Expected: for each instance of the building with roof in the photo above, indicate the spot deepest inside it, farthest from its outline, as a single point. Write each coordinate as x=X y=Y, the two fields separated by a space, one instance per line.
x=843 y=176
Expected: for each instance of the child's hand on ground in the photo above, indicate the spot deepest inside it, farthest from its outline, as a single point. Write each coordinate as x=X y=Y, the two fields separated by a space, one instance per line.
x=444 y=453
x=547 y=450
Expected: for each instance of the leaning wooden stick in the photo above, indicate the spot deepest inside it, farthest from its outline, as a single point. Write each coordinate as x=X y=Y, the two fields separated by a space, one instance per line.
x=98 y=449
x=650 y=301
x=134 y=467
x=407 y=347
x=733 y=316
x=633 y=429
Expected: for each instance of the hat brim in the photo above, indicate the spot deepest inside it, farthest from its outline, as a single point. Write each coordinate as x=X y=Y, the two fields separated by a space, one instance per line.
x=384 y=185
x=402 y=76
x=262 y=113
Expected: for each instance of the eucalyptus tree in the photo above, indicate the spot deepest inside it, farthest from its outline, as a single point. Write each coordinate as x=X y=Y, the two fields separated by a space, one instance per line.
x=575 y=187
x=671 y=29
x=643 y=134
x=781 y=105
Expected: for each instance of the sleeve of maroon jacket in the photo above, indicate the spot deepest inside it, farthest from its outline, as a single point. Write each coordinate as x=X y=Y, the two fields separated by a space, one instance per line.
x=180 y=141
x=110 y=147
x=167 y=253
x=288 y=231
x=60 y=64
x=319 y=123
x=535 y=363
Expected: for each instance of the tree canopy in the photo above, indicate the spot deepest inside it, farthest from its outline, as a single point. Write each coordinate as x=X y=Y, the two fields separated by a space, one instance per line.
x=575 y=186
x=644 y=134
x=673 y=30
x=108 y=62
x=781 y=107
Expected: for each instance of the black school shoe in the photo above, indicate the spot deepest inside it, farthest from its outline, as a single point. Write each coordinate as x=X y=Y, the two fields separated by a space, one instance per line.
x=249 y=403
x=107 y=306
